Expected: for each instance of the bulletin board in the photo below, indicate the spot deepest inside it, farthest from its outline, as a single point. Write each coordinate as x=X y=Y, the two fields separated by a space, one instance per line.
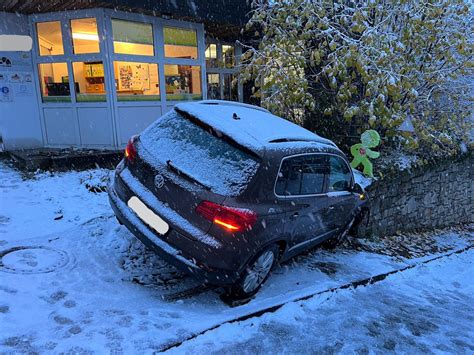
x=134 y=76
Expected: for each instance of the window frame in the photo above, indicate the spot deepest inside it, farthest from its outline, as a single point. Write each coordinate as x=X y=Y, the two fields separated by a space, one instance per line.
x=70 y=35
x=326 y=176
x=185 y=28
x=158 y=58
x=199 y=70
x=69 y=97
x=63 y=41
x=78 y=93
x=140 y=101
x=69 y=56
x=216 y=59
x=221 y=69
x=133 y=20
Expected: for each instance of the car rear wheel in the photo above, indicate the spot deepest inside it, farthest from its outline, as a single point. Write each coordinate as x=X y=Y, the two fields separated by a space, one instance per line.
x=256 y=273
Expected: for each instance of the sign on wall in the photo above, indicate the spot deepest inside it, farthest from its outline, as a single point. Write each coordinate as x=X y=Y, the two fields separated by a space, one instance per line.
x=6 y=94
x=15 y=84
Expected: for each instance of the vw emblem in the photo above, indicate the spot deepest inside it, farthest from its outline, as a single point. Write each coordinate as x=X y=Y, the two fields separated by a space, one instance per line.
x=159 y=181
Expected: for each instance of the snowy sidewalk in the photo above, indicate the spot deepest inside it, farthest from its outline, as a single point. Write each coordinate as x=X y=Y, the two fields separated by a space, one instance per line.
x=72 y=279
x=428 y=309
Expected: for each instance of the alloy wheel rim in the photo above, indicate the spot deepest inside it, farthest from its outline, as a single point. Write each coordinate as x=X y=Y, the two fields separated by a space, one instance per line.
x=257 y=273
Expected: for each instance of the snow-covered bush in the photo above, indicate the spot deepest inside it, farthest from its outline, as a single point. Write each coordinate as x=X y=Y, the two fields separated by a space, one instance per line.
x=341 y=67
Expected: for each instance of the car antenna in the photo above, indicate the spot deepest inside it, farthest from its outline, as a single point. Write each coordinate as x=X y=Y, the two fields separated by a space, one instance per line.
x=235 y=117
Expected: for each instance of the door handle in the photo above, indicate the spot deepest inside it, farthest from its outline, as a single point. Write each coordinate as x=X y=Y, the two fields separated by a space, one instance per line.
x=331 y=207
x=294 y=215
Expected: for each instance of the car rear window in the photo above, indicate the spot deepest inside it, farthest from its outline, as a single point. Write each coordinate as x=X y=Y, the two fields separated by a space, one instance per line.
x=224 y=168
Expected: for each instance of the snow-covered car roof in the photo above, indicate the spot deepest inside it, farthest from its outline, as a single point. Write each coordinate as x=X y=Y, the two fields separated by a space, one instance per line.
x=249 y=126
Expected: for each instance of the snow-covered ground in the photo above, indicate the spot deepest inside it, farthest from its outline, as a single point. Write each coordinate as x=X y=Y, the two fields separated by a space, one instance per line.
x=427 y=309
x=73 y=280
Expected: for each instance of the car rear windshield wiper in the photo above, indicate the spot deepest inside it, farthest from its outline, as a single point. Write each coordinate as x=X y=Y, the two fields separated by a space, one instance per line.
x=187 y=175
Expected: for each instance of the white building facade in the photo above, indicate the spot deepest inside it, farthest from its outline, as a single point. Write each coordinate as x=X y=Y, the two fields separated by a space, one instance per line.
x=94 y=77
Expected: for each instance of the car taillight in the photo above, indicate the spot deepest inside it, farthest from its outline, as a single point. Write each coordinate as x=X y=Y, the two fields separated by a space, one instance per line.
x=130 y=150
x=232 y=219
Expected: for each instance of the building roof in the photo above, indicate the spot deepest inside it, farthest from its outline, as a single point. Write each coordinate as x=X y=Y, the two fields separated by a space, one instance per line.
x=251 y=126
x=222 y=18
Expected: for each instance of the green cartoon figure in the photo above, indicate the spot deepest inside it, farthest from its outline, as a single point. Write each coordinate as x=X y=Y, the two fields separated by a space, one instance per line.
x=361 y=151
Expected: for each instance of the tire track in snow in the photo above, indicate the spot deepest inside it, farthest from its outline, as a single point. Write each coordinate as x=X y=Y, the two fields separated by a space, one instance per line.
x=353 y=284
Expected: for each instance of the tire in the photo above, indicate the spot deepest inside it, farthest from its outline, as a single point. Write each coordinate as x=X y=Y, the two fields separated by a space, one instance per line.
x=337 y=240
x=255 y=273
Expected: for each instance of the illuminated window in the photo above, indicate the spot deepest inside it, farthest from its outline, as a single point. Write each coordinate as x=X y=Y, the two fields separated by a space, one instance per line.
x=54 y=82
x=136 y=81
x=211 y=55
x=50 y=38
x=85 y=38
x=213 y=87
x=183 y=82
x=132 y=37
x=228 y=56
x=180 y=43
x=89 y=81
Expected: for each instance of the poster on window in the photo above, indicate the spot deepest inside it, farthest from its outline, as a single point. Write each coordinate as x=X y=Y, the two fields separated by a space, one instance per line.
x=125 y=75
x=141 y=77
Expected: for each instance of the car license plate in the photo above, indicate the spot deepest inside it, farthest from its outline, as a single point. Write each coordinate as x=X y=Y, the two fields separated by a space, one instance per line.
x=147 y=215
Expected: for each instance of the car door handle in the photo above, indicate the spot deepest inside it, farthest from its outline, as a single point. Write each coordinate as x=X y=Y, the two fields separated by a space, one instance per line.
x=331 y=207
x=294 y=215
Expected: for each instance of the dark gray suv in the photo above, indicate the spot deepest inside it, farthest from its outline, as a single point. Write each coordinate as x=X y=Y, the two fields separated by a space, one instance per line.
x=224 y=190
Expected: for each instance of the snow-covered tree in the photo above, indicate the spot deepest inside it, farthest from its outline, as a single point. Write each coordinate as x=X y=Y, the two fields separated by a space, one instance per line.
x=341 y=67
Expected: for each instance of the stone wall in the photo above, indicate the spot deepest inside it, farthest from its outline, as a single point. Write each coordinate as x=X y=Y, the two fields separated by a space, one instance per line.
x=435 y=196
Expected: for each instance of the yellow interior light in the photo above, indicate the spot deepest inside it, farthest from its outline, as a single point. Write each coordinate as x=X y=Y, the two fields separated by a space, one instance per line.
x=85 y=36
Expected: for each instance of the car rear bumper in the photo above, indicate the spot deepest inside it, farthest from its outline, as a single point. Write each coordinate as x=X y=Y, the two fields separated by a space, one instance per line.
x=156 y=242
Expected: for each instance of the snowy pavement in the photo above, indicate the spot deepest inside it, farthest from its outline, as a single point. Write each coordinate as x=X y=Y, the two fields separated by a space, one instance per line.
x=428 y=309
x=73 y=280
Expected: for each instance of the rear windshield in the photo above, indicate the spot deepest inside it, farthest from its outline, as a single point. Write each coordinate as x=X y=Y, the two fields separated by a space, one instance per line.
x=223 y=168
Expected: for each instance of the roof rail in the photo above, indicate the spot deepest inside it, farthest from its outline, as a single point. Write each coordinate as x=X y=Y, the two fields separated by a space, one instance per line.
x=232 y=103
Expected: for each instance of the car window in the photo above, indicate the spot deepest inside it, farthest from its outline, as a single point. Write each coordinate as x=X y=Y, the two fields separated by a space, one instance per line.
x=302 y=175
x=340 y=176
x=224 y=168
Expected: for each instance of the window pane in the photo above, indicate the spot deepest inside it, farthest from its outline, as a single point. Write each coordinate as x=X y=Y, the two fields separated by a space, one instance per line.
x=136 y=81
x=213 y=87
x=89 y=81
x=54 y=81
x=85 y=38
x=132 y=37
x=211 y=56
x=180 y=43
x=228 y=56
x=289 y=179
x=340 y=176
x=197 y=152
x=183 y=82
x=313 y=172
x=50 y=38
x=230 y=88
x=301 y=176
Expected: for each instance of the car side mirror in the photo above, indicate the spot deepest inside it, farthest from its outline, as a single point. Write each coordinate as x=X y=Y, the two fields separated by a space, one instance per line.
x=357 y=189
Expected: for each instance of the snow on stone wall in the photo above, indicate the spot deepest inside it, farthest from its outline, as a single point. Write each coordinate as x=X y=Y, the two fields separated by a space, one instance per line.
x=436 y=196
